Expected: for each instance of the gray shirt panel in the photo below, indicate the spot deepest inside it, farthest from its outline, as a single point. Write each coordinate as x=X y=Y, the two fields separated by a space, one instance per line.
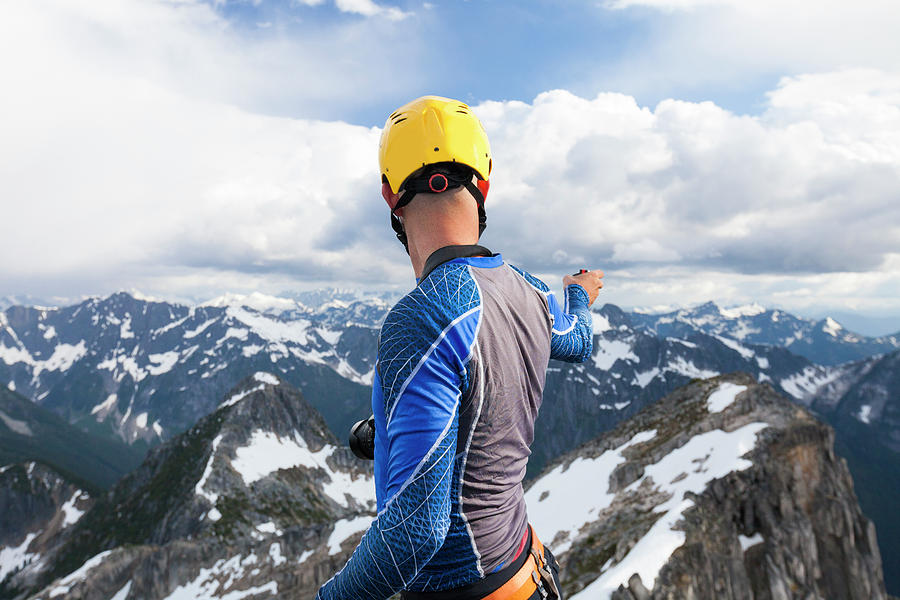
x=507 y=373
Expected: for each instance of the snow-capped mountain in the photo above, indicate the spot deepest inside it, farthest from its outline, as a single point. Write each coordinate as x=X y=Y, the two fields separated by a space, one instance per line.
x=723 y=489
x=825 y=342
x=723 y=485
x=632 y=367
x=258 y=499
x=144 y=369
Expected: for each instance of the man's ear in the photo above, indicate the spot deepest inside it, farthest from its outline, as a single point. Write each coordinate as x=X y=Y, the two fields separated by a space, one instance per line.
x=389 y=196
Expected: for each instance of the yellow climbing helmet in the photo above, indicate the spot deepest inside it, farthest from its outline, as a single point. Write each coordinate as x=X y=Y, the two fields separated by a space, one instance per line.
x=429 y=130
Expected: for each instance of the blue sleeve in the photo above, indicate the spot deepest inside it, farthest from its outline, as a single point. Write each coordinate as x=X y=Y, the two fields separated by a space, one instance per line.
x=572 y=333
x=421 y=377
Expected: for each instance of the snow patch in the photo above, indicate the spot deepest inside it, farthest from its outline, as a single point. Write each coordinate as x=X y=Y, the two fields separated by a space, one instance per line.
x=105 y=406
x=683 y=342
x=330 y=337
x=864 y=415
x=749 y=542
x=748 y=310
x=192 y=333
x=723 y=397
x=272 y=329
x=688 y=369
x=213 y=583
x=62 y=359
x=11 y=386
x=198 y=490
x=12 y=356
x=251 y=350
x=141 y=421
x=266 y=452
x=12 y=558
x=275 y=555
x=600 y=323
x=737 y=347
x=557 y=504
x=831 y=327
x=16 y=426
x=125 y=329
x=65 y=585
x=164 y=362
x=50 y=333
x=267 y=378
x=241 y=395
x=807 y=382
x=703 y=458
x=71 y=514
x=123 y=593
x=256 y=301
x=609 y=351
x=763 y=362
x=268 y=528
x=643 y=379
x=344 y=529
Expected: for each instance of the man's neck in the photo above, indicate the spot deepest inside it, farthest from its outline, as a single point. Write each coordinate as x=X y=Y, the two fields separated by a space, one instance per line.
x=419 y=252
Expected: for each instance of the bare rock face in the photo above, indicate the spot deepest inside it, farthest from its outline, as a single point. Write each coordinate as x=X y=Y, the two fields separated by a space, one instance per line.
x=722 y=490
x=38 y=506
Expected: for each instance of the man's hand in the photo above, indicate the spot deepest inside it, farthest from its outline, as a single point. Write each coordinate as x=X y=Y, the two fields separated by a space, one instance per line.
x=591 y=281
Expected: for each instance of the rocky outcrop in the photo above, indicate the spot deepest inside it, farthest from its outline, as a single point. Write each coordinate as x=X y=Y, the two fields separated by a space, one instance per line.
x=38 y=507
x=723 y=489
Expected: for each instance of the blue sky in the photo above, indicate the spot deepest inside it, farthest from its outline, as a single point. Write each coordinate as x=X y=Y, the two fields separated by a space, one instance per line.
x=479 y=50
x=730 y=150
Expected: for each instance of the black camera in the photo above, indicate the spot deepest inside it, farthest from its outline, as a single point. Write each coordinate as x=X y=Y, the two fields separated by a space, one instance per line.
x=362 y=438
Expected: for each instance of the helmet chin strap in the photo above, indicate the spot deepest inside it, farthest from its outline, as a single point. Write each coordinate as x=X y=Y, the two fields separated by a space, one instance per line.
x=437 y=181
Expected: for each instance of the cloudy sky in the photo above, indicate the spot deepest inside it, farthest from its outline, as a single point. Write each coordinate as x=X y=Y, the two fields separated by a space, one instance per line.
x=729 y=150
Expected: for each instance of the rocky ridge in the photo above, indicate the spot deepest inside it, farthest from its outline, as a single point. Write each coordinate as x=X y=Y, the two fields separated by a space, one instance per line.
x=37 y=507
x=144 y=370
x=257 y=498
x=723 y=489
x=823 y=341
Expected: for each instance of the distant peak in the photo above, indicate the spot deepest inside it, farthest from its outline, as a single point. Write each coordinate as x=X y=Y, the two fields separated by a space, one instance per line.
x=266 y=378
x=746 y=310
x=832 y=327
x=256 y=301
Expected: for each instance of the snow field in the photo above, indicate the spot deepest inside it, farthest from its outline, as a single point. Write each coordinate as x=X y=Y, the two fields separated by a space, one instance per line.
x=558 y=506
x=607 y=352
x=723 y=397
x=703 y=458
x=212 y=583
x=13 y=557
x=266 y=453
x=66 y=583
x=71 y=514
x=344 y=529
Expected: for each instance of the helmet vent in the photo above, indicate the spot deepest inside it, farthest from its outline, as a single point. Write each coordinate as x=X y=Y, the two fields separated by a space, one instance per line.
x=399 y=120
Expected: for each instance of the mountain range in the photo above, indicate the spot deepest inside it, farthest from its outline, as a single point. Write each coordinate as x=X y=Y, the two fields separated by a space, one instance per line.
x=141 y=371
x=718 y=490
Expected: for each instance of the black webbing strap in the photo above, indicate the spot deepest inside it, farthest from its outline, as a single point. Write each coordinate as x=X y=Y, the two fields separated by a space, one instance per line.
x=435 y=181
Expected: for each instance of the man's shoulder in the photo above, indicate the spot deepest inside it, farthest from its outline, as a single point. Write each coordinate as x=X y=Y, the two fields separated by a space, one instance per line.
x=443 y=296
x=531 y=279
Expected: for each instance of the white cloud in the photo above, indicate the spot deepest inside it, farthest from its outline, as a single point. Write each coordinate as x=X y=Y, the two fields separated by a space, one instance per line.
x=727 y=47
x=126 y=163
x=370 y=9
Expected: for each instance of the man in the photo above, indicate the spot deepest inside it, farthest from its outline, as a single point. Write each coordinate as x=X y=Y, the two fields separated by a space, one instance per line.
x=458 y=384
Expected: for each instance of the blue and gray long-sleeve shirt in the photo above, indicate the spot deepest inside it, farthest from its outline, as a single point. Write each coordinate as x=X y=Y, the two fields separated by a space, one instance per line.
x=461 y=367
